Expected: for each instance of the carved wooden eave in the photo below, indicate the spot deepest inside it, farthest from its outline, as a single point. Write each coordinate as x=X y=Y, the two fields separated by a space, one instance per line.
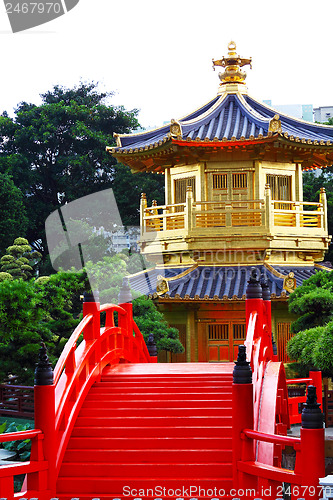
x=310 y=154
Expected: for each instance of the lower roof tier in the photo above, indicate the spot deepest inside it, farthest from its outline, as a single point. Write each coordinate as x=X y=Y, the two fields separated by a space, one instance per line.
x=218 y=282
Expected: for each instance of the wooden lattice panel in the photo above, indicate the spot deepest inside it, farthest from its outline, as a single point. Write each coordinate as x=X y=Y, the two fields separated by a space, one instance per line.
x=283 y=335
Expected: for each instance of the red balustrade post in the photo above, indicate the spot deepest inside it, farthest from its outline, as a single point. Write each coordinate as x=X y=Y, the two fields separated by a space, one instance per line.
x=254 y=302
x=91 y=305
x=45 y=413
x=316 y=377
x=267 y=319
x=242 y=418
x=312 y=446
x=125 y=302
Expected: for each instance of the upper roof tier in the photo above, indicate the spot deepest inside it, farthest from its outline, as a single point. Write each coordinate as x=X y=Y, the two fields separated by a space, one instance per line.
x=232 y=118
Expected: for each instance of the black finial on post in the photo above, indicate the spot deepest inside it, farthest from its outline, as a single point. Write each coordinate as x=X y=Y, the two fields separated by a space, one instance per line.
x=91 y=296
x=266 y=293
x=254 y=290
x=242 y=373
x=274 y=346
x=125 y=292
x=312 y=417
x=43 y=371
x=151 y=345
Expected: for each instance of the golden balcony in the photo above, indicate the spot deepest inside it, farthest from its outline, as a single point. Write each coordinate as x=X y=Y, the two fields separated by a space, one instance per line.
x=260 y=223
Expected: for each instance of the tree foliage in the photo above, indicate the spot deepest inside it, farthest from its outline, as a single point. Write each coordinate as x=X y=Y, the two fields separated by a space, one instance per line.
x=19 y=261
x=49 y=308
x=150 y=320
x=127 y=188
x=312 y=344
x=13 y=218
x=311 y=190
x=55 y=151
x=21 y=329
x=60 y=300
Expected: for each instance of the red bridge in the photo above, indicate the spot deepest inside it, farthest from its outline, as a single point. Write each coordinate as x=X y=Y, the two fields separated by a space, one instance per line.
x=112 y=423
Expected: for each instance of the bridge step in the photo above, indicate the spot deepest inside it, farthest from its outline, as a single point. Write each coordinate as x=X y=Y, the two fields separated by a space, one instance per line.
x=156 y=389
x=153 y=403
x=111 y=394
x=151 y=412
x=149 y=443
x=120 y=485
x=142 y=431
x=158 y=431
x=160 y=456
x=144 y=470
x=152 y=421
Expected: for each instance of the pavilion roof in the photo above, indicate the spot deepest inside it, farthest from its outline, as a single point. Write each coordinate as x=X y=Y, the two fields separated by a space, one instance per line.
x=233 y=119
x=230 y=117
x=209 y=282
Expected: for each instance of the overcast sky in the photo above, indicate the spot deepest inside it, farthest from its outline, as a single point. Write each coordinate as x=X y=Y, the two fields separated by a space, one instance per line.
x=156 y=55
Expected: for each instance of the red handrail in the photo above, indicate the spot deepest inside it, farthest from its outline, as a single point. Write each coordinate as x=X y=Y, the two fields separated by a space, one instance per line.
x=57 y=405
x=71 y=344
x=16 y=436
x=99 y=347
x=295 y=403
x=273 y=438
x=36 y=468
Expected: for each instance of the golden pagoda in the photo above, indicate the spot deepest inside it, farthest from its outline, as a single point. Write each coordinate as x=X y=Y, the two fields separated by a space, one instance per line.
x=233 y=200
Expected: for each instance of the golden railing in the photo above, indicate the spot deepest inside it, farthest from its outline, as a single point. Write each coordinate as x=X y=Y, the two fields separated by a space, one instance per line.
x=164 y=217
x=203 y=214
x=266 y=213
x=228 y=213
x=293 y=214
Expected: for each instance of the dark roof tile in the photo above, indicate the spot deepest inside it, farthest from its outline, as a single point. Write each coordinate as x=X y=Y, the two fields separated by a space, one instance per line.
x=217 y=281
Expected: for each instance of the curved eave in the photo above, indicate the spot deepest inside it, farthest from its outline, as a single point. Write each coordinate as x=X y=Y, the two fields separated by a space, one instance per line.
x=294 y=126
x=228 y=120
x=159 y=133
x=171 y=151
x=225 y=143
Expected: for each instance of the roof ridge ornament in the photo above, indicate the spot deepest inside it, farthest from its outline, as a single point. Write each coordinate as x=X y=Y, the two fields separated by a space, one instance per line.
x=176 y=129
x=275 y=124
x=232 y=64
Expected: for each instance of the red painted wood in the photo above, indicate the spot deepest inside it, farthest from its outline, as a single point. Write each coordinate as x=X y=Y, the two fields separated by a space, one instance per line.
x=175 y=440
x=115 y=417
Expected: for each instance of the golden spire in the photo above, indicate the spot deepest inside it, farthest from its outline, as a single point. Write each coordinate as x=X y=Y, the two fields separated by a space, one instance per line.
x=232 y=64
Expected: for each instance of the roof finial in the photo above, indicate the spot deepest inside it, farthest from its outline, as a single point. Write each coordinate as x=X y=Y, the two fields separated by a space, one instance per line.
x=232 y=64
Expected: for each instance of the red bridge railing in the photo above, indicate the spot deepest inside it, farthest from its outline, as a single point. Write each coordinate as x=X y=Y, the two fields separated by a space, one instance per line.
x=260 y=415
x=260 y=404
x=296 y=403
x=59 y=395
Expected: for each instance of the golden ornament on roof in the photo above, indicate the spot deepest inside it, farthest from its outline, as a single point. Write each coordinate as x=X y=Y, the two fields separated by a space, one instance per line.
x=232 y=64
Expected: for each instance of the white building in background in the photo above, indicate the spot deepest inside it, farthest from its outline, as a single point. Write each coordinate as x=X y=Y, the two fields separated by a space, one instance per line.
x=301 y=111
x=323 y=113
x=126 y=239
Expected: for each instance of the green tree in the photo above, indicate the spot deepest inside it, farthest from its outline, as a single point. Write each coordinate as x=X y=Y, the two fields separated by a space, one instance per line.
x=46 y=309
x=127 y=188
x=19 y=261
x=312 y=344
x=55 y=151
x=150 y=320
x=13 y=218
x=107 y=277
x=60 y=300
x=311 y=191
x=21 y=329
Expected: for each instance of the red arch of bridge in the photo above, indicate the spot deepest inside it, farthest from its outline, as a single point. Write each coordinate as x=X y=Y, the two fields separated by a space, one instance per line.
x=260 y=410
